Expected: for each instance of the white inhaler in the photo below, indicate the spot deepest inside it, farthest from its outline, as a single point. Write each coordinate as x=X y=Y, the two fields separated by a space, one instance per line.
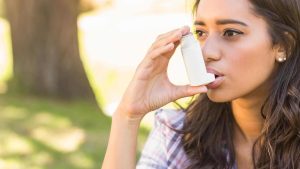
x=194 y=62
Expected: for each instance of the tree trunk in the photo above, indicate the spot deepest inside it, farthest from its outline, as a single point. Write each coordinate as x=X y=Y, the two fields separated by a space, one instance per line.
x=46 y=56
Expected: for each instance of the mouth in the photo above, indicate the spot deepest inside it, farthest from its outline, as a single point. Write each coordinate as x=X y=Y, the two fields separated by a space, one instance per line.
x=215 y=72
x=219 y=78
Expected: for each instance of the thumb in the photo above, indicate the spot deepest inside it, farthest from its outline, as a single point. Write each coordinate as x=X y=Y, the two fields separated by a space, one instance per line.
x=187 y=90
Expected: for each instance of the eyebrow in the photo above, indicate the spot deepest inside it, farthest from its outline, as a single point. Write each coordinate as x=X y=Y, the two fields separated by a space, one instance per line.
x=222 y=22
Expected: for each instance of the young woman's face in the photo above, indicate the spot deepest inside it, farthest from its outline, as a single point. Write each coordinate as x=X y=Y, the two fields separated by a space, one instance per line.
x=236 y=44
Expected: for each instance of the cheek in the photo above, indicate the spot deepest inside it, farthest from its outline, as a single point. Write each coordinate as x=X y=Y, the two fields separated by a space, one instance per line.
x=250 y=66
x=252 y=54
x=247 y=68
x=252 y=58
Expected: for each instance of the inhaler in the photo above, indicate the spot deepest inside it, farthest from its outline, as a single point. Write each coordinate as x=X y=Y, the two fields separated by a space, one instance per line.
x=194 y=62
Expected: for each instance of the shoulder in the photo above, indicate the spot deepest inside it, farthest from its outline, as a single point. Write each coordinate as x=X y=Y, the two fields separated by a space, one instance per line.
x=170 y=118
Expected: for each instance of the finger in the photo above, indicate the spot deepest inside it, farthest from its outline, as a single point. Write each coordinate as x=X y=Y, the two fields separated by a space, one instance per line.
x=176 y=44
x=184 y=30
x=170 y=52
x=176 y=36
x=147 y=61
x=161 y=51
x=187 y=90
x=162 y=36
x=172 y=36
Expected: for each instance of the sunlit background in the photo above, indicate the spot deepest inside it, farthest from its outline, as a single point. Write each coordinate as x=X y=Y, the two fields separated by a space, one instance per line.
x=40 y=132
x=115 y=40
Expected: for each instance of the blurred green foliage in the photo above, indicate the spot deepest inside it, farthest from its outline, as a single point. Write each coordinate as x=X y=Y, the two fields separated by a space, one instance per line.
x=43 y=133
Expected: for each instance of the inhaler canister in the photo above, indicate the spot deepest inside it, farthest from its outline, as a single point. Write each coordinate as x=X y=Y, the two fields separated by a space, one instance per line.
x=194 y=62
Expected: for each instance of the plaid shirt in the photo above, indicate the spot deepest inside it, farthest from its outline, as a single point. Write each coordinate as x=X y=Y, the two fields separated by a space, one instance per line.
x=162 y=149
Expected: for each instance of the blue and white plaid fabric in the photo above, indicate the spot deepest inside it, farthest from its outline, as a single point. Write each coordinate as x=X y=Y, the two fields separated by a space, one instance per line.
x=162 y=149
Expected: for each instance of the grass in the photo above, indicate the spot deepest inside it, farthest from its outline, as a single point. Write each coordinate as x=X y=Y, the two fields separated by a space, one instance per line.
x=41 y=133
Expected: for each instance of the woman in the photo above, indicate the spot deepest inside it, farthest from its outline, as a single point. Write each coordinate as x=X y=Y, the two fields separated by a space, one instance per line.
x=249 y=117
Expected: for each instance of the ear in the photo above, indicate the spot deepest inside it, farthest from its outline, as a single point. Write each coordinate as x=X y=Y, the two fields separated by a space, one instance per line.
x=280 y=54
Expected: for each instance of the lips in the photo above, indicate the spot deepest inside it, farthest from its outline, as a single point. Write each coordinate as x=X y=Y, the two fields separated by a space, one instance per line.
x=213 y=71
x=219 y=78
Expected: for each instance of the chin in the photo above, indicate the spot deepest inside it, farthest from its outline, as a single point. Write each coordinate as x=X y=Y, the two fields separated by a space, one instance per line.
x=218 y=96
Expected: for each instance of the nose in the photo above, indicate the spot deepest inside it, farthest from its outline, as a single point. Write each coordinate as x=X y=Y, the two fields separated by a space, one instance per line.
x=211 y=49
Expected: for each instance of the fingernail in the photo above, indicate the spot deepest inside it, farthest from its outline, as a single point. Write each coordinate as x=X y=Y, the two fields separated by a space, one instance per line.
x=185 y=30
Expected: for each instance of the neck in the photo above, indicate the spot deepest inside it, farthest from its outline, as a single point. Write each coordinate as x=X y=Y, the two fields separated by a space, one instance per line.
x=248 y=119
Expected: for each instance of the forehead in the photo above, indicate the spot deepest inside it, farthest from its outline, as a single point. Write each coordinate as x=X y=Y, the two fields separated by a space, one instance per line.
x=216 y=9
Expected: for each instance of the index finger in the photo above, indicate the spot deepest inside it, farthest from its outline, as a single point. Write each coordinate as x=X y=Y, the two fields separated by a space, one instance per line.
x=183 y=30
x=170 y=37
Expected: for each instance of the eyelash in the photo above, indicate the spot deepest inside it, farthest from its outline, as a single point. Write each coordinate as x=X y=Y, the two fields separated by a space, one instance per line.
x=235 y=32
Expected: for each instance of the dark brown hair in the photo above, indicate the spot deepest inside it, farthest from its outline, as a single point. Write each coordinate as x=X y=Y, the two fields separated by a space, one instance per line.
x=208 y=127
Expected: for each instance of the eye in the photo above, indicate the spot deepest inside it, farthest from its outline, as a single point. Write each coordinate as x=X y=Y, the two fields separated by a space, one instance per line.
x=200 y=34
x=232 y=33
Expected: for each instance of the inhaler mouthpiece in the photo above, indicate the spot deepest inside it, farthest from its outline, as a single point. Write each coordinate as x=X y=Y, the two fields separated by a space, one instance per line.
x=194 y=62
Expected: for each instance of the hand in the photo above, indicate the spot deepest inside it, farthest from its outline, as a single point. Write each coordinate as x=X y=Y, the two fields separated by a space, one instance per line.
x=150 y=87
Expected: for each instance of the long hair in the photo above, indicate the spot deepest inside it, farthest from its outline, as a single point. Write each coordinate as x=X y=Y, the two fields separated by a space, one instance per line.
x=208 y=127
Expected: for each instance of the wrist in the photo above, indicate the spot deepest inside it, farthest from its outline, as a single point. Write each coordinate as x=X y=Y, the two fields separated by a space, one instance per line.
x=125 y=117
x=129 y=113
